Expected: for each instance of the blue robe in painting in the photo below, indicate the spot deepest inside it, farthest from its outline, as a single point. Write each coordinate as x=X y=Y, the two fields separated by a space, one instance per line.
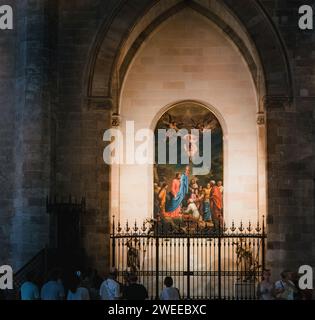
x=175 y=202
x=207 y=216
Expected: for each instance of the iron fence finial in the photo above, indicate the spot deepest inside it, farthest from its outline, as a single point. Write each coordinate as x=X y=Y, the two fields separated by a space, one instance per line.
x=127 y=227
x=249 y=228
x=241 y=229
x=119 y=227
x=135 y=228
x=258 y=226
x=233 y=226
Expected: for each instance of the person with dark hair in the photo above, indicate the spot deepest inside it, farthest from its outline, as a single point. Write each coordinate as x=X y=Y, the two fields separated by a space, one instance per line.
x=125 y=284
x=77 y=292
x=92 y=281
x=53 y=289
x=29 y=290
x=285 y=288
x=135 y=290
x=169 y=292
x=265 y=288
x=97 y=278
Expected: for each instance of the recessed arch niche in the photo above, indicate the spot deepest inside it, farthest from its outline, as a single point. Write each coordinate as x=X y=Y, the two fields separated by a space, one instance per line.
x=188 y=58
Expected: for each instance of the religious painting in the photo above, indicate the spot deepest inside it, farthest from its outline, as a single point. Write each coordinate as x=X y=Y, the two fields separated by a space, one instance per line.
x=188 y=194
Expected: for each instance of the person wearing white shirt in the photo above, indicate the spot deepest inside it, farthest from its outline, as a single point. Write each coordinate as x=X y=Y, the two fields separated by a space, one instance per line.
x=265 y=288
x=110 y=288
x=169 y=292
x=192 y=209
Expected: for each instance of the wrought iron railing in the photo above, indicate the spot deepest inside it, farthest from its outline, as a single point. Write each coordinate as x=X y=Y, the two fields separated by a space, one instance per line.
x=205 y=263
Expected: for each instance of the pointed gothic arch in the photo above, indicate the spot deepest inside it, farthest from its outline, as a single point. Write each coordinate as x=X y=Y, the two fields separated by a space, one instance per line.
x=120 y=37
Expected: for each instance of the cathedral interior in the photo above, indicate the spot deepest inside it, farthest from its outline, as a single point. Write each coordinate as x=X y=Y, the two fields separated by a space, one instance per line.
x=70 y=70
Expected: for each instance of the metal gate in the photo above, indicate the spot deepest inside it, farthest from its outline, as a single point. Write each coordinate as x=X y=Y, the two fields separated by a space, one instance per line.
x=205 y=263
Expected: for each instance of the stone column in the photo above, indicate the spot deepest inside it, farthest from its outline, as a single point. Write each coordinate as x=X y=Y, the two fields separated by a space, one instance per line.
x=7 y=129
x=29 y=230
x=290 y=185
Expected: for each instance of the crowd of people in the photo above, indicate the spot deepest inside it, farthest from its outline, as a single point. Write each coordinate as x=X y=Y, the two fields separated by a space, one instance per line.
x=75 y=286
x=90 y=286
x=287 y=288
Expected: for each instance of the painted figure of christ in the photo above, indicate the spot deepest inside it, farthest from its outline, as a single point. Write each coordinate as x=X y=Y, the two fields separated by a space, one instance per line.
x=179 y=189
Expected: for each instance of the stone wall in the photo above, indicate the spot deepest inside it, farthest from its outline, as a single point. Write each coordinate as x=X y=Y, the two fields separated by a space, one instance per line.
x=51 y=134
x=7 y=137
x=80 y=170
x=290 y=131
x=290 y=211
x=35 y=88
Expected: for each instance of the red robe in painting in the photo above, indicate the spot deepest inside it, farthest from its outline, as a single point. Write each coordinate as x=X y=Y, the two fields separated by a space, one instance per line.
x=174 y=190
x=216 y=203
